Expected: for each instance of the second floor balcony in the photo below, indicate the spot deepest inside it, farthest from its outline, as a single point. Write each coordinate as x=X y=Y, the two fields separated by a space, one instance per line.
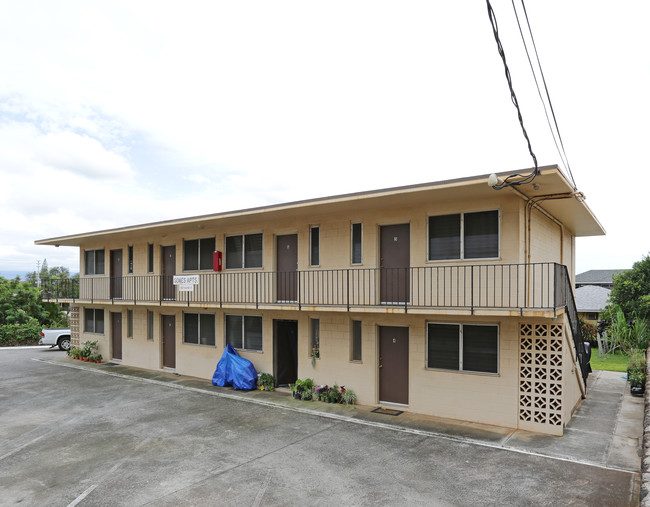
x=540 y=288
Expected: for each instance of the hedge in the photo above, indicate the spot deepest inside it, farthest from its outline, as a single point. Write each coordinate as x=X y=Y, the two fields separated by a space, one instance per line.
x=20 y=334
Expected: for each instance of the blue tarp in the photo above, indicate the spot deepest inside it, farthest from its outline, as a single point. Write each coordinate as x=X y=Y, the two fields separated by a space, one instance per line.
x=235 y=371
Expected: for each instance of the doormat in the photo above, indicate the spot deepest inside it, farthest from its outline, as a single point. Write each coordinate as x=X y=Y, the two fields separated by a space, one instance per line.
x=387 y=411
x=110 y=364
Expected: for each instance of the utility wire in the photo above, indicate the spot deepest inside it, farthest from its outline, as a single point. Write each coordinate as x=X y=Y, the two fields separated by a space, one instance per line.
x=525 y=178
x=548 y=96
x=539 y=91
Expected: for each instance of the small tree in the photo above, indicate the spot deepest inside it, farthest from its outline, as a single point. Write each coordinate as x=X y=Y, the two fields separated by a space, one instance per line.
x=631 y=289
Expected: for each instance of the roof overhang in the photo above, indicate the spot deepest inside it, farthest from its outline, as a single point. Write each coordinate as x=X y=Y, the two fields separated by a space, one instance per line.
x=574 y=214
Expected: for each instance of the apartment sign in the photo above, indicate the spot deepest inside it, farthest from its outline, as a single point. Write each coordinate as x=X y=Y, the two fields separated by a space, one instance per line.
x=186 y=283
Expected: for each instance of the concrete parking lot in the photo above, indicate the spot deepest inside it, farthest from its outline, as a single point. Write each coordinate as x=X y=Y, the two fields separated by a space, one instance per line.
x=76 y=434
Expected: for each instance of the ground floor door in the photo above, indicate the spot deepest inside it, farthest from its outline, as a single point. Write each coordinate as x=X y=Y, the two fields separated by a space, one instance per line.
x=394 y=364
x=116 y=274
x=168 y=271
x=116 y=334
x=285 y=346
x=287 y=264
x=169 y=341
x=395 y=259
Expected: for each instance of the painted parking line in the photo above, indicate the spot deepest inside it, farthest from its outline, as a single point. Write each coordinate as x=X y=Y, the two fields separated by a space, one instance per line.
x=341 y=418
x=20 y=448
x=82 y=496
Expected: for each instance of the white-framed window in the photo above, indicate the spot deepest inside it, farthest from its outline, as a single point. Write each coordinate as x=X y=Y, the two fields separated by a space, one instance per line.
x=463 y=347
x=130 y=252
x=199 y=328
x=472 y=235
x=314 y=245
x=94 y=262
x=244 y=332
x=244 y=251
x=314 y=334
x=198 y=254
x=150 y=322
x=129 y=323
x=355 y=342
x=356 y=243
x=150 y=258
x=94 y=320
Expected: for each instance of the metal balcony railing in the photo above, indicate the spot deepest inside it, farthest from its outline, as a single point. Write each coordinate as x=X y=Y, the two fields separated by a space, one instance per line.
x=513 y=287
x=540 y=286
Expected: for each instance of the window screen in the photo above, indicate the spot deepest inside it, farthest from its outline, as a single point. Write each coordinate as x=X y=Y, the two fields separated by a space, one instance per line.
x=150 y=258
x=94 y=262
x=443 y=346
x=480 y=344
x=356 y=244
x=356 y=340
x=314 y=259
x=481 y=232
x=253 y=251
x=444 y=237
x=234 y=330
x=234 y=252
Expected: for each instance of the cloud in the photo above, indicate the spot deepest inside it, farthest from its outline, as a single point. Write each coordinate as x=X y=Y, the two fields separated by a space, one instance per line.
x=82 y=155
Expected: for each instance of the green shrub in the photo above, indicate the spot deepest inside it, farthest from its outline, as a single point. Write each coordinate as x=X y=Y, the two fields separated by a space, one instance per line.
x=266 y=381
x=637 y=362
x=20 y=334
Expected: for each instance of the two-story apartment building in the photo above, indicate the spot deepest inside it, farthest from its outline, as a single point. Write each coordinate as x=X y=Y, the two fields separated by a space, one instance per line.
x=450 y=298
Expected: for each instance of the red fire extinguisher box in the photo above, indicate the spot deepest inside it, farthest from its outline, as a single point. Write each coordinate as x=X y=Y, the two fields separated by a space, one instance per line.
x=217 y=259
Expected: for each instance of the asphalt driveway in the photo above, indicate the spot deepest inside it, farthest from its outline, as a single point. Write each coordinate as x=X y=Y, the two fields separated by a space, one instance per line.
x=73 y=435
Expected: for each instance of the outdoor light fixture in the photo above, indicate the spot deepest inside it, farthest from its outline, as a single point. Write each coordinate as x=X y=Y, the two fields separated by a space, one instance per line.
x=494 y=180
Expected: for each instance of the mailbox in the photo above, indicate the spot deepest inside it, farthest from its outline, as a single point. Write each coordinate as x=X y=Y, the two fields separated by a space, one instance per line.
x=217 y=261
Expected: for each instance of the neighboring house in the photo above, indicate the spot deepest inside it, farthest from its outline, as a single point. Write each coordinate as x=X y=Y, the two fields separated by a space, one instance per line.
x=600 y=277
x=590 y=301
x=449 y=299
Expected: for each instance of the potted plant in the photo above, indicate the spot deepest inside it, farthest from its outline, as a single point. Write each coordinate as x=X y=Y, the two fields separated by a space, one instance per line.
x=334 y=394
x=321 y=393
x=348 y=397
x=266 y=381
x=637 y=382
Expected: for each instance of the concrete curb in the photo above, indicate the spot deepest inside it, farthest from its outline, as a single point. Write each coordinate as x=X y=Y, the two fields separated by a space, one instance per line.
x=644 y=498
x=27 y=347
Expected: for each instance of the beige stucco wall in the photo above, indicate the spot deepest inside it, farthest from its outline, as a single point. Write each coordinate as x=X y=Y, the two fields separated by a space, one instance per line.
x=335 y=231
x=485 y=398
x=572 y=392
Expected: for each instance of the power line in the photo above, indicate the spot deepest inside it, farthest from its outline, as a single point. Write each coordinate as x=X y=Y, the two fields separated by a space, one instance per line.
x=524 y=178
x=562 y=153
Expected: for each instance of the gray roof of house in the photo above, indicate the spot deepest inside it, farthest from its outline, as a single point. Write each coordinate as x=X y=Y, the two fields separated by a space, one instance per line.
x=591 y=298
x=597 y=275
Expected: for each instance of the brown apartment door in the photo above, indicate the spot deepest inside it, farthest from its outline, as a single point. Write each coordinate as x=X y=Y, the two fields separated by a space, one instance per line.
x=168 y=271
x=285 y=346
x=394 y=364
x=395 y=259
x=116 y=274
x=116 y=334
x=287 y=259
x=169 y=341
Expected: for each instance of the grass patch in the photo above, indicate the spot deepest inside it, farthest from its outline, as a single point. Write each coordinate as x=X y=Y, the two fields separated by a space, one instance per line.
x=610 y=362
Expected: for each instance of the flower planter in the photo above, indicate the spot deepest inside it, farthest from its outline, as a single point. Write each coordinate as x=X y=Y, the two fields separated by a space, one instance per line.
x=637 y=390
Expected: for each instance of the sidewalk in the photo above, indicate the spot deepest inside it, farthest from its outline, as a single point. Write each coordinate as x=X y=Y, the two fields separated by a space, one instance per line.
x=606 y=430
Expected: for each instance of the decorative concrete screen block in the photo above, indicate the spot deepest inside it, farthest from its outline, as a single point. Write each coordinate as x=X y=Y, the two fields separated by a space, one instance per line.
x=540 y=376
x=74 y=326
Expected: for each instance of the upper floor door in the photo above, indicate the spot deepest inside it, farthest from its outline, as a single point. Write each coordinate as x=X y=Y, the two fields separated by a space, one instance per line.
x=168 y=271
x=395 y=260
x=116 y=274
x=287 y=264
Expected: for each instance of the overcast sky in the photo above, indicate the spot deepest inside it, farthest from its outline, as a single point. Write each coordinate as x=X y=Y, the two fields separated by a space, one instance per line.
x=124 y=112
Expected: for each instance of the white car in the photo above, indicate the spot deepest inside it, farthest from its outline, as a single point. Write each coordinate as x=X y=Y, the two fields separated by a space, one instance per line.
x=54 y=337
